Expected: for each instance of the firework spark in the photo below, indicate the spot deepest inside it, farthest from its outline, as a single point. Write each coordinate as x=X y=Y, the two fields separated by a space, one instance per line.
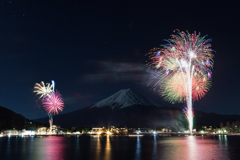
x=42 y=90
x=183 y=69
x=174 y=90
x=53 y=103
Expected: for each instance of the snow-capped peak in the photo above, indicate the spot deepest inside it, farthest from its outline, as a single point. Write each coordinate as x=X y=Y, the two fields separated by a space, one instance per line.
x=125 y=98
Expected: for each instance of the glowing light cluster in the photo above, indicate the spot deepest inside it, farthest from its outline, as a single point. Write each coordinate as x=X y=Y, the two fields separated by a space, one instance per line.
x=183 y=69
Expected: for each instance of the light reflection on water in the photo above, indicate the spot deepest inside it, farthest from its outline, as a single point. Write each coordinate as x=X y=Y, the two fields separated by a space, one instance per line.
x=191 y=147
x=108 y=149
x=195 y=147
x=116 y=148
x=50 y=148
x=138 y=149
x=98 y=149
x=154 y=154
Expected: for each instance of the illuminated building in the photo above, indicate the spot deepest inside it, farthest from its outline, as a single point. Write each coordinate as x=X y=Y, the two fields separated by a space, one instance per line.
x=42 y=130
x=12 y=132
x=119 y=130
x=96 y=130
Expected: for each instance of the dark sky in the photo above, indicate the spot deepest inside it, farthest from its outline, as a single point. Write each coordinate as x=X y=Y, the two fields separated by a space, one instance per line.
x=94 y=49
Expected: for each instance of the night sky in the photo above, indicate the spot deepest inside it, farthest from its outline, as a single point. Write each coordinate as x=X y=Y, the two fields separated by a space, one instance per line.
x=95 y=49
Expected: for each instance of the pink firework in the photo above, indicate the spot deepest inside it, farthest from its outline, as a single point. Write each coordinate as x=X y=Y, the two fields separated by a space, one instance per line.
x=53 y=103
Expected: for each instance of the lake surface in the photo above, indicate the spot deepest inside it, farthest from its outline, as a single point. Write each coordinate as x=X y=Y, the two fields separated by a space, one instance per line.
x=121 y=148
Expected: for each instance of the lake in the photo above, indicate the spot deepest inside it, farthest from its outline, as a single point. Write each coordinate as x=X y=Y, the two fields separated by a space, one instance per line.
x=120 y=148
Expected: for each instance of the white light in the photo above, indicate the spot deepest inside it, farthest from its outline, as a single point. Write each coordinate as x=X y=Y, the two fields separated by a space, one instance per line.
x=184 y=63
x=192 y=54
x=53 y=85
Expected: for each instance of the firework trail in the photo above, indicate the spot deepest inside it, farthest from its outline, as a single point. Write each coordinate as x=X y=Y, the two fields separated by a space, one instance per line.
x=42 y=90
x=53 y=103
x=53 y=85
x=49 y=114
x=183 y=69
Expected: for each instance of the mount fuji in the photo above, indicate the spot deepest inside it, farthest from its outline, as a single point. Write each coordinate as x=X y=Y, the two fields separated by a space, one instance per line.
x=125 y=98
x=125 y=107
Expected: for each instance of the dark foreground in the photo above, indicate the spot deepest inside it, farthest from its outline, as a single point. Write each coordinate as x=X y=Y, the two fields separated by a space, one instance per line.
x=120 y=148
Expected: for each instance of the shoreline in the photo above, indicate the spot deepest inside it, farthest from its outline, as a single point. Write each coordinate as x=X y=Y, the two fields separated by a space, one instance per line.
x=128 y=135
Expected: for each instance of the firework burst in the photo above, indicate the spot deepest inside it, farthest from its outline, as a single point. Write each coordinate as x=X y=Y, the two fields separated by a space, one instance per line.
x=174 y=90
x=183 y=69
x=53 y=103
x=42 y=90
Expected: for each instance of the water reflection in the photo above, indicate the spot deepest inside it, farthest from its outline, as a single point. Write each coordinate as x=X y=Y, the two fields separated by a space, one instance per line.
x=207 y=148
x=119 y=148
x=108 y=149
x=77 y=145
x=8 y=146
x=98 y=149
x=31 y=145
x=138 y=149
x=50 y=148
x=192 y=149
x=223 y=140
x=154 y=154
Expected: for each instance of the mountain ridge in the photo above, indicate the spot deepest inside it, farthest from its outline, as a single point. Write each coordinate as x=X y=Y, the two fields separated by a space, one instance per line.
x=10 y=119
x=125 y=98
